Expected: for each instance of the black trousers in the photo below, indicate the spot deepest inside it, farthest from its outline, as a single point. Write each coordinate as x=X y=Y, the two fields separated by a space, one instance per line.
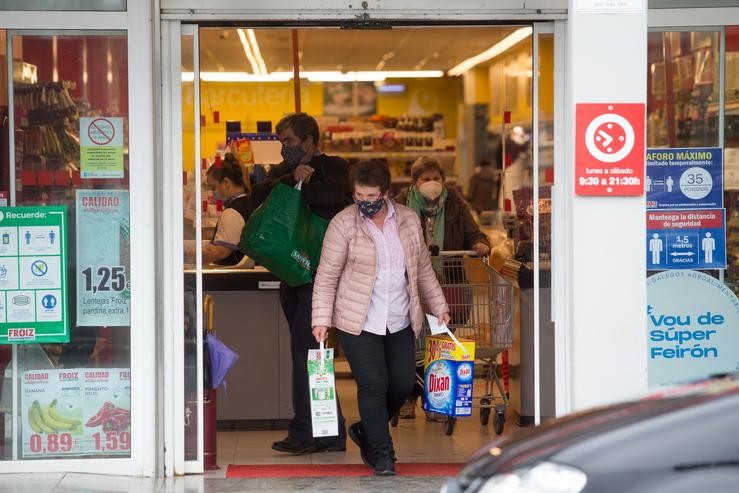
x=297 y=305
x=384 y=369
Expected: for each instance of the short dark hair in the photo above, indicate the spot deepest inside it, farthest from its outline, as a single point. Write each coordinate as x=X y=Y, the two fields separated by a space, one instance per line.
x=302 y=124
x=373 y=173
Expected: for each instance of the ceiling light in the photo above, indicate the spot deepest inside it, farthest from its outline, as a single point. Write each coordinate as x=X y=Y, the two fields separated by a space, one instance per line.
x=255 y=48
x=238 y=77
x=329 y=76
x=500 y=47
x=370 y=76
x=248 y=52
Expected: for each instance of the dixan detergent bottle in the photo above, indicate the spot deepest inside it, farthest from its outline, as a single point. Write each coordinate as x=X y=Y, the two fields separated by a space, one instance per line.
x=448 y=376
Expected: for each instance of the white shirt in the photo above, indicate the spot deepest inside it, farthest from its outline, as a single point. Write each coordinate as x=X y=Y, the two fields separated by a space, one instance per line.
x=229 y=227
x=390 y=305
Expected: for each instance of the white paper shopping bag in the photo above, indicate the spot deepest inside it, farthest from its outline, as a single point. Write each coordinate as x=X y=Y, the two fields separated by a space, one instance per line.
x=322 y=386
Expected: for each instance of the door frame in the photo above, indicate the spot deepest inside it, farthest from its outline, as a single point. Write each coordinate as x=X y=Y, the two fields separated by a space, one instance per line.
x=172 y=27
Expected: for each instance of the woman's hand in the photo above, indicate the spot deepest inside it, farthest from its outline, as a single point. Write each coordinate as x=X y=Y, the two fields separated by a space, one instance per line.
x=320 y=332
x=444 y=318
x=481 y=249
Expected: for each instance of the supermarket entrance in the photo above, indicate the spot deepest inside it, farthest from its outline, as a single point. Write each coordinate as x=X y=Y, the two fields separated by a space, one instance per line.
x=479 y=99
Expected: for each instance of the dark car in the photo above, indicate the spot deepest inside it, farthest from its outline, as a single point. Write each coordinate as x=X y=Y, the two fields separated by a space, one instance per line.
x=683 y=439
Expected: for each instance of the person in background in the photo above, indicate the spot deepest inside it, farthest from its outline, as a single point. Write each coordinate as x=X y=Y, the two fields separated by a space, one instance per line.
x=230 y=185
x=374 y=269
x=326 y=190
x=484 y=185
x=448 y=225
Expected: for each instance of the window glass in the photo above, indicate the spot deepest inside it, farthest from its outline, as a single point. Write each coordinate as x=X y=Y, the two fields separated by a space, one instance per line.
x=91 y=5
x=731 y=155
x=70 y=137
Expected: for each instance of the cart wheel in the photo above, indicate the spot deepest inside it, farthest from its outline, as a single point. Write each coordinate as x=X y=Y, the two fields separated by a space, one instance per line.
x=449 y=423
x=484 y=416
x=394 y=421
x=499 y=422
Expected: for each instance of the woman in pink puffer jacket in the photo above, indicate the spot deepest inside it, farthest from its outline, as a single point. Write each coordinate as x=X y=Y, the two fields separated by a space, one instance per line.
x=374 y=271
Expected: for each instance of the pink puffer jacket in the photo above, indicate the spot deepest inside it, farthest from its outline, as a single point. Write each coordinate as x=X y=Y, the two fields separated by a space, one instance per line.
x=346 y=273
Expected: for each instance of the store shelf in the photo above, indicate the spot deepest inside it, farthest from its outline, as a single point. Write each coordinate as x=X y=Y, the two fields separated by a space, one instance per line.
x=393 y=155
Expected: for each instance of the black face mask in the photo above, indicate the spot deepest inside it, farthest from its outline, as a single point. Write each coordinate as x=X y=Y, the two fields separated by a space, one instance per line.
x=292 y=155
x=369 y=208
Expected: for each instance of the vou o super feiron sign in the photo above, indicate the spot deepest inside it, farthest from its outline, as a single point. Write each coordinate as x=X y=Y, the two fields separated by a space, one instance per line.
x=693 y=327
x=33 y=275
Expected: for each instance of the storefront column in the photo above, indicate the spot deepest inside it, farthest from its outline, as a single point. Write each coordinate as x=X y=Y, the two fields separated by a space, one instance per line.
x=603 y=341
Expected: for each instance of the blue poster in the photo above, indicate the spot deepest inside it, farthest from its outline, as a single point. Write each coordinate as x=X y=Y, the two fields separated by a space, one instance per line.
x=691 y=178
x=686 y=239
x=692 y=327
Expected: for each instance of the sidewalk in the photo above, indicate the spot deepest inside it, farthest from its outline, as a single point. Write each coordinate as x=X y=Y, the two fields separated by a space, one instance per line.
x=92 y=483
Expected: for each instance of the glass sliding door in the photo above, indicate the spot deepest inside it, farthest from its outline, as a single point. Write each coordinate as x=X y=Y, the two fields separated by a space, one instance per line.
x=543 y=148
x=192 y=236
x=65 y=283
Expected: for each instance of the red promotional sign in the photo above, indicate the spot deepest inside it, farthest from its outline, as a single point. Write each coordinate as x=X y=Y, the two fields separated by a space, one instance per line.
x=609 y=149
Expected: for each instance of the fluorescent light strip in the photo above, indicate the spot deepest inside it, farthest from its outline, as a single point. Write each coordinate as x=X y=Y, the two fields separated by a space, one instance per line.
x=248 y=52
x=255 y=48
x=500 y=47
x=368 y=76
x=238 y=77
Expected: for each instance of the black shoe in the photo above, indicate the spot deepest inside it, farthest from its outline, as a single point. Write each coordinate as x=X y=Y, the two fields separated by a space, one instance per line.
x=385 y=463
x=292 y=445
x=358 y=436
x=336 y=445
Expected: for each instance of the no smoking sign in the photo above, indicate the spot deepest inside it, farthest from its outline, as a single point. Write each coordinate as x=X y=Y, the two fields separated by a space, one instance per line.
x=609 y=149
x=101 y=131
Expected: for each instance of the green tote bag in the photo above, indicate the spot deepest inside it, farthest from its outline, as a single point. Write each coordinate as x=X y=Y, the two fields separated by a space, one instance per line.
x=284 y=236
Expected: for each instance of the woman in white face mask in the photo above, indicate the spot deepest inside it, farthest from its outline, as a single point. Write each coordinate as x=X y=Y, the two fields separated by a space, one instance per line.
x=447 y=221
x=447 y=225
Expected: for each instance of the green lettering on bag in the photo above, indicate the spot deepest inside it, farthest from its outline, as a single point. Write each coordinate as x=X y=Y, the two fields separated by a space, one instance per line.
x=301 y=259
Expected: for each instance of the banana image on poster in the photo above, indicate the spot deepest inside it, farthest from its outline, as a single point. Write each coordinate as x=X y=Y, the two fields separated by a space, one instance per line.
x=48 y=420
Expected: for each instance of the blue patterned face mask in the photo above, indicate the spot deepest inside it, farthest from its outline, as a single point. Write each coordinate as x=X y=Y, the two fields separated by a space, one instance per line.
x=369 y=208
x=292 y=155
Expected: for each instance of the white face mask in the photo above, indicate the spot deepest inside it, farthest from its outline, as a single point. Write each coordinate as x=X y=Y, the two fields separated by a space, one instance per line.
x=431 y=190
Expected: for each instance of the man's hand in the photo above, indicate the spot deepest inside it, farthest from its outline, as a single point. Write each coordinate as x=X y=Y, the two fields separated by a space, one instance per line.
x=303 y=173
x=444 y=318
x=320 y=332
x=481 y=249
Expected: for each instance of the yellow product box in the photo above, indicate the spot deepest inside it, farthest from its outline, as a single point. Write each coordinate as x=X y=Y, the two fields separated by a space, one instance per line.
x=448 y=376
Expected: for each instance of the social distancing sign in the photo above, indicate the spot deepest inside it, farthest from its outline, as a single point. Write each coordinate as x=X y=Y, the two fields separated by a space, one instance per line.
x=33 y=281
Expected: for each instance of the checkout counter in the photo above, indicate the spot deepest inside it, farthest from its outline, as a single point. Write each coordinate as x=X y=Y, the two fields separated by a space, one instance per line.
x=249 y=320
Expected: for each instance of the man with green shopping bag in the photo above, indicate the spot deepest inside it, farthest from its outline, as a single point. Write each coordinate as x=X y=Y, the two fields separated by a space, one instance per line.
x=325 y=188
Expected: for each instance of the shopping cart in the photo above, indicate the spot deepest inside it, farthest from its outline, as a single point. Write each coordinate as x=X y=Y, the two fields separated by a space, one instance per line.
x=481 y=309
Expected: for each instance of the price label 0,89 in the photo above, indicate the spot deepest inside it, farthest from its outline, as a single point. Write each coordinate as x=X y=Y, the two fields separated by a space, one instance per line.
x=75 y=412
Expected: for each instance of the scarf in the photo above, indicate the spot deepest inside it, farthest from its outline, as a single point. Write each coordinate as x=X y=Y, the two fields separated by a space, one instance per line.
x=434 y=210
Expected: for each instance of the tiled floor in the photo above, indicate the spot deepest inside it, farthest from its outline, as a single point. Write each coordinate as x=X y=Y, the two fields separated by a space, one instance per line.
x=415 y=440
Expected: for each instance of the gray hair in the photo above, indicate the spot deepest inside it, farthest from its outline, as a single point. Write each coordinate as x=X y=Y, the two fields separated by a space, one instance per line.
x=424 y=164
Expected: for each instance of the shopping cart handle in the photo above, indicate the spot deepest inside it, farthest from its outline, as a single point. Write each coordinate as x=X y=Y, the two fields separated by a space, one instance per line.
x=457 y=253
